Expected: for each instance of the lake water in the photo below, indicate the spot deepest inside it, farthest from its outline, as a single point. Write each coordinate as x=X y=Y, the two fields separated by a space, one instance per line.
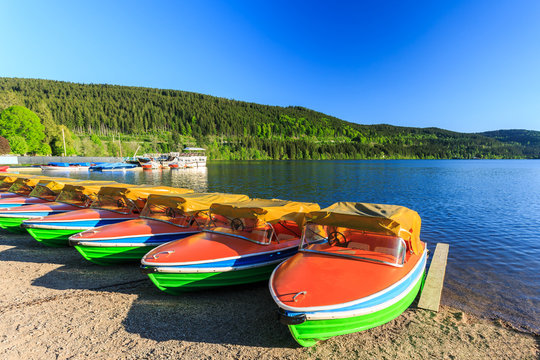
x=487 y=210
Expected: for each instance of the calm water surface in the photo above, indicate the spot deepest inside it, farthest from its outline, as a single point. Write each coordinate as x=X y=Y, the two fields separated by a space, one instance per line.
x=488 y=210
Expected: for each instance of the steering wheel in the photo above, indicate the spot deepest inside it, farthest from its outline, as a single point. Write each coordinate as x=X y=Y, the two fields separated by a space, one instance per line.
x=169 y=212
x=237 y=224
x=334 y=239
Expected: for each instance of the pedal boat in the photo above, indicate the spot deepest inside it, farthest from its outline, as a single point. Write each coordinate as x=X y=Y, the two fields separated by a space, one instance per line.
x=164 y=218
x=23 y=188
x=74 y=196
x=45 y=192
x=114 y=204
x=358 y=266
x=15 y=186
x=6 y=180
x=242 y=243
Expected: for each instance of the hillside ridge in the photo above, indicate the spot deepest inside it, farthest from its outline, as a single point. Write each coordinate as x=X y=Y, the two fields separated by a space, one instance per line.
x=165 y=120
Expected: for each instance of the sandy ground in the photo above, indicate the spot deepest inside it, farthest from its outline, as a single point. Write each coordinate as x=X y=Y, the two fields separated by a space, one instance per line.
x=56 y=305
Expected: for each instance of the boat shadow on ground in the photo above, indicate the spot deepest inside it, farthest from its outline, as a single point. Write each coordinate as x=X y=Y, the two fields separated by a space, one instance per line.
x=25 y=248
x=238 y=315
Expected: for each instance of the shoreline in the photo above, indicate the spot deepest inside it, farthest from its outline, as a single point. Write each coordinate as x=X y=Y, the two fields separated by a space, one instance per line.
x=56 y=305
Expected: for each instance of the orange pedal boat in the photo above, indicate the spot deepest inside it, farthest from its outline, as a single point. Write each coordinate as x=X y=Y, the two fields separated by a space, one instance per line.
x=358 y=266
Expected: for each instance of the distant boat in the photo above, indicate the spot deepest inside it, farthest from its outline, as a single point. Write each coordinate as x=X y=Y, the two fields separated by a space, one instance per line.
x=113 y=166
x=151 y=165
x=66 y=166
x=4 y=168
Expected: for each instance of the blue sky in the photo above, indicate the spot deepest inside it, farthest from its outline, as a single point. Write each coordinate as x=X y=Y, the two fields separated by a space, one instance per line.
x=460 y=65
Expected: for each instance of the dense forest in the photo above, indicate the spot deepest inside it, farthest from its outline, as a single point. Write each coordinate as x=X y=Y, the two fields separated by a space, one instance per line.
x=118 y=120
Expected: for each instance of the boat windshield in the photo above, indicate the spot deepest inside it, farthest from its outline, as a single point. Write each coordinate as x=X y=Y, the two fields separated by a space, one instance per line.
x=75 y=198
x=21 y=188
x=118 y=203
x=354 y=244
x=43 y=192
x=250 y=229
x=174 y=216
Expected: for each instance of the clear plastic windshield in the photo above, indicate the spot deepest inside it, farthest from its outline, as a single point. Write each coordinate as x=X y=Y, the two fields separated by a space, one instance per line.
x=4 y=186
x=76 y=198
x=43 y=192
x=174 y=216
x=118 y=203
x=249 y=229
x=21 y=189
x=354 y=244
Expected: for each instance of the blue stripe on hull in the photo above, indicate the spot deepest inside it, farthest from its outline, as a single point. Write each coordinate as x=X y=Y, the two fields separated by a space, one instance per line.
x=77 y=224
x=12 y=205
x=243 y=261
x=28 y=213
x=155 y=239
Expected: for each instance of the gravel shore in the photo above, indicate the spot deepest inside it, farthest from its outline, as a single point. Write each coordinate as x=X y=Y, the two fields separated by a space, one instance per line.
x=56 y=305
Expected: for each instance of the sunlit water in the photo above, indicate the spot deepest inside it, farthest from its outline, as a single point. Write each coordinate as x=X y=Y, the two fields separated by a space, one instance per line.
x=487 y=210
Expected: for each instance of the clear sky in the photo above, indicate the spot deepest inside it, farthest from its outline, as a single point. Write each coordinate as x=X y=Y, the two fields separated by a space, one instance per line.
x=460 y=65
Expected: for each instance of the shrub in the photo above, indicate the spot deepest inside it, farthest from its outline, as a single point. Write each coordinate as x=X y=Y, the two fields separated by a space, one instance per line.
x=4 y=146
x=18 y=145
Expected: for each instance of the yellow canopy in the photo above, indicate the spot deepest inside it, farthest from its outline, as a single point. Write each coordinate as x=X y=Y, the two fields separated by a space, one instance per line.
x=267 y=210
x=49 y=189
x=192 y=203
x=6 y=180
x=130 y=198
x=79 y=193
x=393 y=219
x=134 y=192
x=24 y=185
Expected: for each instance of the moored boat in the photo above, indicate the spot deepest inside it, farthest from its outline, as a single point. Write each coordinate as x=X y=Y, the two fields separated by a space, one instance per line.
x=118 y=166
x=74 y=196
x=243 y=243
x=6 y=181
x=62 y=166
x=4 y=168
x=114 y=204
x=20 y=190
x=358 y=266
x=45 y=191
x=151 y=165
x=164 y=218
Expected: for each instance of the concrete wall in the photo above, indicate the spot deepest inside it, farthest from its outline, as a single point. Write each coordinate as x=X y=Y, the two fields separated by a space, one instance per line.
x=31 y=160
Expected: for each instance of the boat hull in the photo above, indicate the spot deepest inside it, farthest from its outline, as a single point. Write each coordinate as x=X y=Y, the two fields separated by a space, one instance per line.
x=129 y=249
x=12 y=219
x=55 y=230
x=312 y=323
x=128 y=241
x=8 y=195
x=310 y=332
x=109 y=255
x=12 y=224
x=178 y=283
x=19 y=200
x=52 y=237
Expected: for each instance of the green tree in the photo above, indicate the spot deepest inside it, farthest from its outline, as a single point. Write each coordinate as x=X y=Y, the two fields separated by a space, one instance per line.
x=18 y=145
x=20 y=121
x=45 y=149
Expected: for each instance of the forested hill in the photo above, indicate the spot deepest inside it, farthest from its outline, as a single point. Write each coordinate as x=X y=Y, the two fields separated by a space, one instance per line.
x=529 y=139
x=166 y=120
